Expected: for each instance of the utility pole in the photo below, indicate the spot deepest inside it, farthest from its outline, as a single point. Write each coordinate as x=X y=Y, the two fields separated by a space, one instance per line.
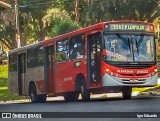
x=17 y=24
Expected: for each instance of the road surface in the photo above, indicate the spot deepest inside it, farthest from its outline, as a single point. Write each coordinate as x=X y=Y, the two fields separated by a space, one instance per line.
x=106 y=104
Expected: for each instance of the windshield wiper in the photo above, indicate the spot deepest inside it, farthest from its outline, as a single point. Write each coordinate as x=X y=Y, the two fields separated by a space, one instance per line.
x=139 y=42
x=126 y=41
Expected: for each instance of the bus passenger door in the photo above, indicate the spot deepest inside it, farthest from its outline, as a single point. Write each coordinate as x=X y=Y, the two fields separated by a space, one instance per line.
x=22 y=74
x=49 y=69
x=94 y=56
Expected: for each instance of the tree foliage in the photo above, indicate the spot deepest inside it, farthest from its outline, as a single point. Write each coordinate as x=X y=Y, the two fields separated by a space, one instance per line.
x=40 y=18
x=7 y=28
x=144 y=10
x=58 y=22
x=63 y=26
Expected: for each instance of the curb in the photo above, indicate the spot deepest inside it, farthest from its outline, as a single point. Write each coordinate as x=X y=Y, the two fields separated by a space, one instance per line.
x=59 y=98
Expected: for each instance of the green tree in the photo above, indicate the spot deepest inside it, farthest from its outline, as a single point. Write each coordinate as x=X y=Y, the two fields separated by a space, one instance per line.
x=7 y=28
x=34 y=10
x=80 y=12
x=58 y=22
x=103 y=10
x=144 y=10
x=63 y=26
x=30 y=21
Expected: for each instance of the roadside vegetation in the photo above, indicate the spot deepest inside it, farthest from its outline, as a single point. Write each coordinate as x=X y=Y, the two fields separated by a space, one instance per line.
x=41 y=19
x=145 y=88
x=4 y=91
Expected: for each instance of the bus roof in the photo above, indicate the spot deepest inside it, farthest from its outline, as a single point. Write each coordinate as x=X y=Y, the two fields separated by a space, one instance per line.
x=94 y=27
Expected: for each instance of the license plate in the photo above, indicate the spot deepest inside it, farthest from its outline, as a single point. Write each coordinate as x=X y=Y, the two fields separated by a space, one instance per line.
x=134 y=80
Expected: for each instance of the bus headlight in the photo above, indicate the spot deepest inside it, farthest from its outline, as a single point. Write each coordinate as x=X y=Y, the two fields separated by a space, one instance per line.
x=107 y=70
x=155 y=70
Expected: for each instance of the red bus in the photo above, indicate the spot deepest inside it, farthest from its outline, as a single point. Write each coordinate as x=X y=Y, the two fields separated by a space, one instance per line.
x=106 y=57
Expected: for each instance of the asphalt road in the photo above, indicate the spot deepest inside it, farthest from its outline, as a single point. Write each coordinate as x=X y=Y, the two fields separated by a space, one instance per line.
x=136 y=104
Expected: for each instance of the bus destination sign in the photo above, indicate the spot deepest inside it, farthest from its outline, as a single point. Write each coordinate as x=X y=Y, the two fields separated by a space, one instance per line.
x=128 y=27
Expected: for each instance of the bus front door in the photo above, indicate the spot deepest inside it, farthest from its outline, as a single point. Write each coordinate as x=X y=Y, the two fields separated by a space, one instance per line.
x=22 y=74
x=49 y=69
x=94 y=48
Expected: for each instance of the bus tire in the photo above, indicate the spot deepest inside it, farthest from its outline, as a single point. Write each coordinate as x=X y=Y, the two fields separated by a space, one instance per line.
x=127 y=92
x=33 y=95
x=84 y=92
x=42 y=98
x=71 y=96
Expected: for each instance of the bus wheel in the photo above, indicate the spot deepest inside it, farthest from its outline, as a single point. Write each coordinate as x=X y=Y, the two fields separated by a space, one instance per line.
x=127 y=92
x=71 y=96
x=42 y=98
x=84 y=92
x=33 y=95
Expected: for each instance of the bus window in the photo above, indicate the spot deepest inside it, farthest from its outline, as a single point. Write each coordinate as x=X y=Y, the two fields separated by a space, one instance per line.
x=13 y=62
x=35 y=57
x=31 y=58
x=77 y=47
x=62 y=52
x=143 y=47
x=39 y=56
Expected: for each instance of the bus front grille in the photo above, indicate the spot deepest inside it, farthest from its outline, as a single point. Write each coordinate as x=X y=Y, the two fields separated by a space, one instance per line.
x=133 y=81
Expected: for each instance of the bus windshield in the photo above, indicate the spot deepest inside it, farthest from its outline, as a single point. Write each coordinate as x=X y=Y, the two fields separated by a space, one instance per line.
x=129 y=47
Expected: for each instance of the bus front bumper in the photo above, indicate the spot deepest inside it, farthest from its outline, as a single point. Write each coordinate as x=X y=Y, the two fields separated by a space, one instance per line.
x=108 y=80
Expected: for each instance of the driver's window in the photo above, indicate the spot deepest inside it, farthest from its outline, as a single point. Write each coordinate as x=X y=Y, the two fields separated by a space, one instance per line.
x=77 y=47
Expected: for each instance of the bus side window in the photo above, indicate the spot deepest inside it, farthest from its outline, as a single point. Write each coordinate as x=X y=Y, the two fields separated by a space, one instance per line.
x=35 y=57
x=13 y=62
x=31 y=58
x=77 y=47
x=62 y=51
x=39 y=56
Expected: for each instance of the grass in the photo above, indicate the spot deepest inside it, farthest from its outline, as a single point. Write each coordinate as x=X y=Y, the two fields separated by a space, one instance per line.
x=3 y=71
x=5 y=94
x=145 y=88
x=140 y=89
